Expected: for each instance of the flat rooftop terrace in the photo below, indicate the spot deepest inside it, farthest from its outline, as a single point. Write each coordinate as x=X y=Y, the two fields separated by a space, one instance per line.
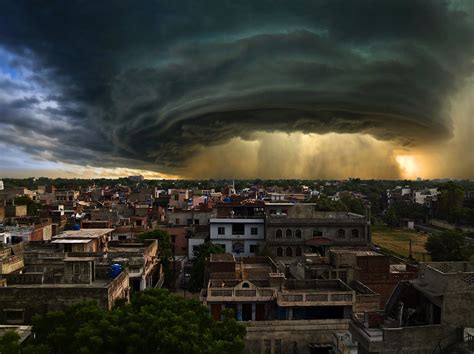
x=83 y=233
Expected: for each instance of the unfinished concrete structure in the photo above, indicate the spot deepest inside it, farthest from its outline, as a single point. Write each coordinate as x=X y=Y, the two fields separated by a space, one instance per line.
x=282 y=314
x=430 y=314
x=29 y=293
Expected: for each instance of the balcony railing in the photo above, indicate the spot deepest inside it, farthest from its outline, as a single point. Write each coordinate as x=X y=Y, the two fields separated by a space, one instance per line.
x=231 y=294
x=322 y=299
x=11 y=264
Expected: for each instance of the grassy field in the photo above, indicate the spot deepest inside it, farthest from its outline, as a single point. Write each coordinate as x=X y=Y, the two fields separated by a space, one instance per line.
x=397 y=241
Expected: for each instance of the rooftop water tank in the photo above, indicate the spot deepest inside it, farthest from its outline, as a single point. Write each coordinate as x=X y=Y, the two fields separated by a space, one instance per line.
x=115 y=270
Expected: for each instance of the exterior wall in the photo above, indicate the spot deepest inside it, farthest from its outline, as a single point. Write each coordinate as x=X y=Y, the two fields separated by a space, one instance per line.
x=243 y=242
x=11 y=264
x=178 y=238
x=187 y=217
x=413 y=340
x=2 y=214
x=328 y=232
x=41 y=233
x=179 y=198
x=192 y=243
x=291 y=336
x=105 y=215
x=39 y=299
x=374 y=272
x=15 y=210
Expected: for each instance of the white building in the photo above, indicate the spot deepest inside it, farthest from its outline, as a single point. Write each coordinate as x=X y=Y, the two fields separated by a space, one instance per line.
x=239 y=236
x=425 y=195
x=1 y=185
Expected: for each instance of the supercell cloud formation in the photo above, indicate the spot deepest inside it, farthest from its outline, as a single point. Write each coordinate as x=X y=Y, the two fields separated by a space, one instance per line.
x=149 y=86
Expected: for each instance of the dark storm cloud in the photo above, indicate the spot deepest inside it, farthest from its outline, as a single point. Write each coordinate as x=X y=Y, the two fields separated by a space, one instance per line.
x=147 y=84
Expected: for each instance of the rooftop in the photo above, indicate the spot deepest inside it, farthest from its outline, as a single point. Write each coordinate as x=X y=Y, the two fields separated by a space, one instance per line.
x=226 y=257
x=83 y=233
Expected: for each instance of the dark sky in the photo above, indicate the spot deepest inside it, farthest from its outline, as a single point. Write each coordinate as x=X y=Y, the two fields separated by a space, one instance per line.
x=153 y=84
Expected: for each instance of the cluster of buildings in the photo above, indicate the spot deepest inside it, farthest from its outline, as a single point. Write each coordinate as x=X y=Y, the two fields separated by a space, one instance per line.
x=302 y=280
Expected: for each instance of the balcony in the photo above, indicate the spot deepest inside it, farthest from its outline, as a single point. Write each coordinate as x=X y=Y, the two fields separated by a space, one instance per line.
x=11 y=264
x=315 y=298
x=237 y=295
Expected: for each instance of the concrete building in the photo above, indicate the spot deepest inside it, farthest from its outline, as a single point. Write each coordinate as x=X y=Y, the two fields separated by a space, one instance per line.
x=15 y=211
x=295 y=229
x=84 y=240
x=31 y=293
x=430 y=314
x=190 y=217
x=179 y=198
x=239 y=236
x=10 y=262
x=281 y=315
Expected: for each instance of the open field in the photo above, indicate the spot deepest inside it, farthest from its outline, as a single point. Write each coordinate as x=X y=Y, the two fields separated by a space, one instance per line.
x=397 y=241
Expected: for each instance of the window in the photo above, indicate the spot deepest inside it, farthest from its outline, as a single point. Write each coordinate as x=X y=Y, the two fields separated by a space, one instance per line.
x=279 y=233
x=245 y=285
x=173 y=238
x=254 y=248
x=238 y=247
x=189 y=221
x=317 y=233
x=221 y=245
x=355 y=233
x=288 y=233
x=221 y=230
x=196 y=221
x=279 y=252
x=14 y=316
x=277 y=346
x=254 y=231
x=67 y=247
x=176 y=197
x=238 y=229
x=289 y=252
x=298 y=233
x=341 y=233
x=298 y=252
x=176 y=221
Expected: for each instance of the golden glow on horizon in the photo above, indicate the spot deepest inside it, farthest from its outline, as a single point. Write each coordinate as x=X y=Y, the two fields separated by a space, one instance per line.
x=409 y=166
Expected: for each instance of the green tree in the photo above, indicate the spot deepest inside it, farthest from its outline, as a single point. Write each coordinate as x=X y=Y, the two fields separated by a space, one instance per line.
x=448 y=246
x=326 y=204
x=450 y=202
x=353 y=205
x=155 y=321
x=201 y=254
x=391 y=218
x=9 y=343
x=31 y=206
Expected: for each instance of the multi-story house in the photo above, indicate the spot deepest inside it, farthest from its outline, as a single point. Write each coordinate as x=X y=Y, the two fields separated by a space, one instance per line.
x=431 y=314
x=239 y=236
x=282 y=315
x=295 y=229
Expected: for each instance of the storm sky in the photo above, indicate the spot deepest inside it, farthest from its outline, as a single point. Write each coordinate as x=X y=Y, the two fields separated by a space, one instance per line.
x=244 y=89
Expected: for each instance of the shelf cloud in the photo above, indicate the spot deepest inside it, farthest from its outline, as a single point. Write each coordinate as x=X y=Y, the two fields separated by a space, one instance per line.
x=153 y=85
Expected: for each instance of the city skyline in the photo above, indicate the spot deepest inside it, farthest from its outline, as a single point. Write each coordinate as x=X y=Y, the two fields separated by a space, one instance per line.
x=307 y=89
